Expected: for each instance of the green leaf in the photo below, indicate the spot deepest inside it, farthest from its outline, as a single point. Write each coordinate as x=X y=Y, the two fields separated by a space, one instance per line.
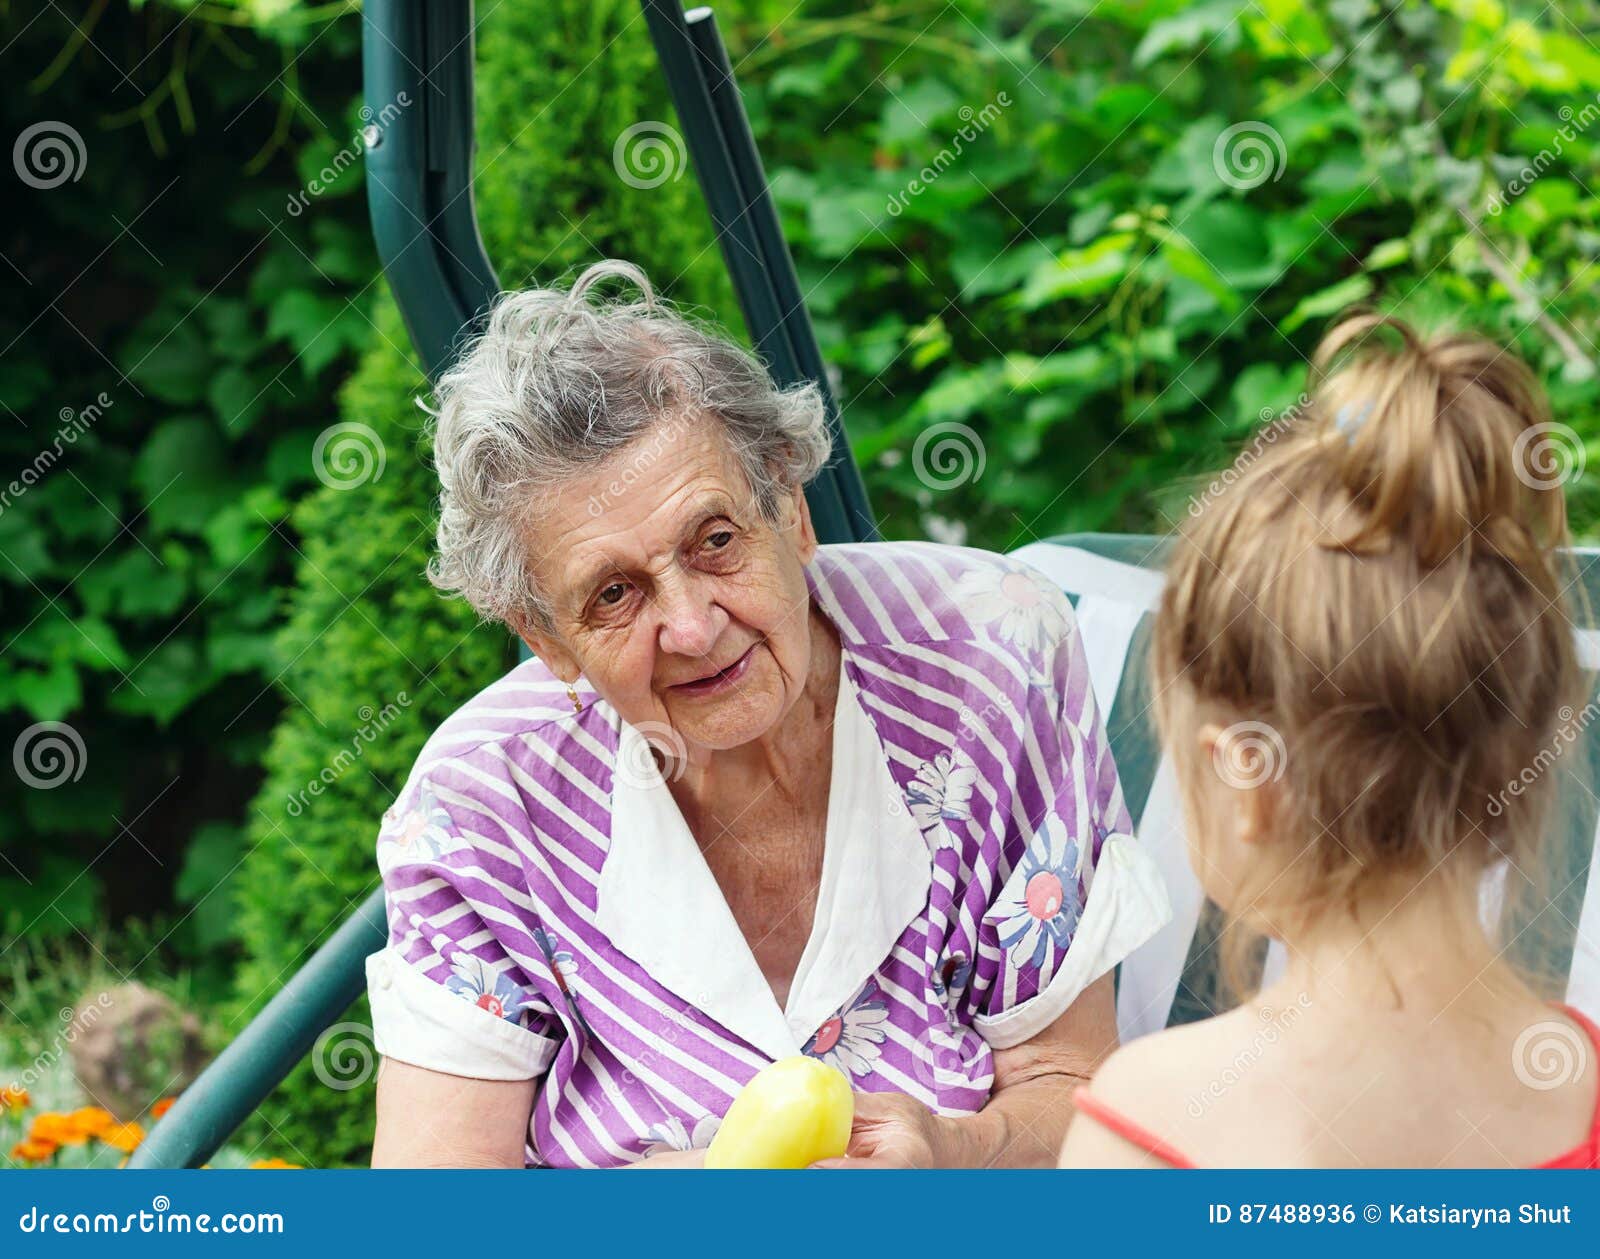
x=318 y=328
x=237 y=399
x=183 y=474
x=1231 y=237
x=166 y=682
x=230 y=327
x=1079 y=272
x=1390 y=253
x=1084 y=368
x=840 y=222
x=95 y=644
x=1261 y=393
x=1328 y=301
x=1212 y=25
x=173 y=363
x=913 y=111
x=23 y=555
x=958 y=393
x=48 y=694
x=133 y=585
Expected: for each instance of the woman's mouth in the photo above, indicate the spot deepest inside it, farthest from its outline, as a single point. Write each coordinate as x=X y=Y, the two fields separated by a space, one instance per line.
x=720 y=680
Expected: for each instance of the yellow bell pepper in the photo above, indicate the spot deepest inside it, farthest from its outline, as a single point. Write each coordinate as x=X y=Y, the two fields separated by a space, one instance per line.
x=794 y=1112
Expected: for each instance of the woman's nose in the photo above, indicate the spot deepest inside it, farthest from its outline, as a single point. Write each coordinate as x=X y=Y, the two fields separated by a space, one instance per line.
x=691 y=622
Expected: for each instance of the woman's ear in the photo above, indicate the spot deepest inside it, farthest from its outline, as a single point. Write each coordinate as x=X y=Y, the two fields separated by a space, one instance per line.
x=806 y=540
x=547 y=647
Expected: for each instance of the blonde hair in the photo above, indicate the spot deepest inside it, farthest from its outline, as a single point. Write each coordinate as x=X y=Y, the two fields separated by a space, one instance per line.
x=1382 y=590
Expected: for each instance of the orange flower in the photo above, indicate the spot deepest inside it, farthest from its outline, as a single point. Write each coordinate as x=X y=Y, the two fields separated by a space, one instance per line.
x=275 y=1165
x=57 y=1129
x=124 y=1137
x=14 y=1098
x=162 y=1107
x=33 y=1150
x=92 y=1121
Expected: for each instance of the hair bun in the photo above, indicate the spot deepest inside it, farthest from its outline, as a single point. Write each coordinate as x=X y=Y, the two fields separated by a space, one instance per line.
x=1440 y=442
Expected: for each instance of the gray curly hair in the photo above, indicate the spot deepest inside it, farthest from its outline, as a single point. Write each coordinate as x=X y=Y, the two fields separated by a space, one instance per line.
x=557 y=383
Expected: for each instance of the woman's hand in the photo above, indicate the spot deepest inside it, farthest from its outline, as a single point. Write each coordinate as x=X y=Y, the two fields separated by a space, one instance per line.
x=893 y=1130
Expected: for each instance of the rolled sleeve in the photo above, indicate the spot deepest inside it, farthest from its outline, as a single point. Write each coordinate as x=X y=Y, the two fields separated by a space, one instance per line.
x=419 y=1021
x=449 y=992
x=1079 y=893
x=1126 y=905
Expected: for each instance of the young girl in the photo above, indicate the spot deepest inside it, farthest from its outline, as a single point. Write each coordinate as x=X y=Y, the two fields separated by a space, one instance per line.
x=1361 y=642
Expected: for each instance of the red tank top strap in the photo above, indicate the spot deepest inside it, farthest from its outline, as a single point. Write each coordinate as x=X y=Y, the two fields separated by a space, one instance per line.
x=1115 y=1121
x=1575 y=1158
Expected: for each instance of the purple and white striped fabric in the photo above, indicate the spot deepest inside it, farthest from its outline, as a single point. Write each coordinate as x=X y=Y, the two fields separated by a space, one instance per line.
x=551 y=916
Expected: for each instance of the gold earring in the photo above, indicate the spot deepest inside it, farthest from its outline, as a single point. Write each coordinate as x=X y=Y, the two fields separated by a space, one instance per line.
x=572 y=694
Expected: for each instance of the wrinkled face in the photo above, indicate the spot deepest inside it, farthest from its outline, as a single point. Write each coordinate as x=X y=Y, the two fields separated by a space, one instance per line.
x=672 y=595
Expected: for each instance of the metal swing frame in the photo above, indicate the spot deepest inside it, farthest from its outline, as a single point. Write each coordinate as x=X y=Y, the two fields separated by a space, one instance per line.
x=419 y=193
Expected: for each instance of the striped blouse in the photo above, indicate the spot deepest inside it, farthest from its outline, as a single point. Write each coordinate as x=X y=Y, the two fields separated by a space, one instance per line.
x=551 y=917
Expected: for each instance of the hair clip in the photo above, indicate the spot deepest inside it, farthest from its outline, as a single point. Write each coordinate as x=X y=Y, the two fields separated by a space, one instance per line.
x=1349 y=419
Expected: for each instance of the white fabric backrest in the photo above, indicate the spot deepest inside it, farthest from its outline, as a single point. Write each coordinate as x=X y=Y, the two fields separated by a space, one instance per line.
x=1112 y=600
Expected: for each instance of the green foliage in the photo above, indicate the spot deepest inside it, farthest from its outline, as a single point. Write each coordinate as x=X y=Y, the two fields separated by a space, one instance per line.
x=556 y=85
x=1079 y=284
x=159 y=409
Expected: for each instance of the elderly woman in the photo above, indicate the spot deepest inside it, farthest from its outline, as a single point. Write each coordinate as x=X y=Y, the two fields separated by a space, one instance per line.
x=754 y=797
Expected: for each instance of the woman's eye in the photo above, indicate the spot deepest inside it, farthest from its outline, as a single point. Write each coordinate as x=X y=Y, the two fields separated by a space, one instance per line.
x=719 y=539
x=613 y=593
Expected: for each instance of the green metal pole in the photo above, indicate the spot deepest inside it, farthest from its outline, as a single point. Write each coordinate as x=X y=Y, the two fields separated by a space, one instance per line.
x=417 y=69
x=237 y=1080
x=716 y=72
x=711 y=150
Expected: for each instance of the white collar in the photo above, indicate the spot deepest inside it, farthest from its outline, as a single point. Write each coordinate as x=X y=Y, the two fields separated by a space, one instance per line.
x=659 y=903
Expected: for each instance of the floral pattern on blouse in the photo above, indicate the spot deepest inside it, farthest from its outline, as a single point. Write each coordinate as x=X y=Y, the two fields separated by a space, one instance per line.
x=1040 y=909
x=1019 y=606
x=941 y=793
x=670 y=1135
x=423 y=833
x=850 y=1040
x=563 y=969
x=486 y=988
